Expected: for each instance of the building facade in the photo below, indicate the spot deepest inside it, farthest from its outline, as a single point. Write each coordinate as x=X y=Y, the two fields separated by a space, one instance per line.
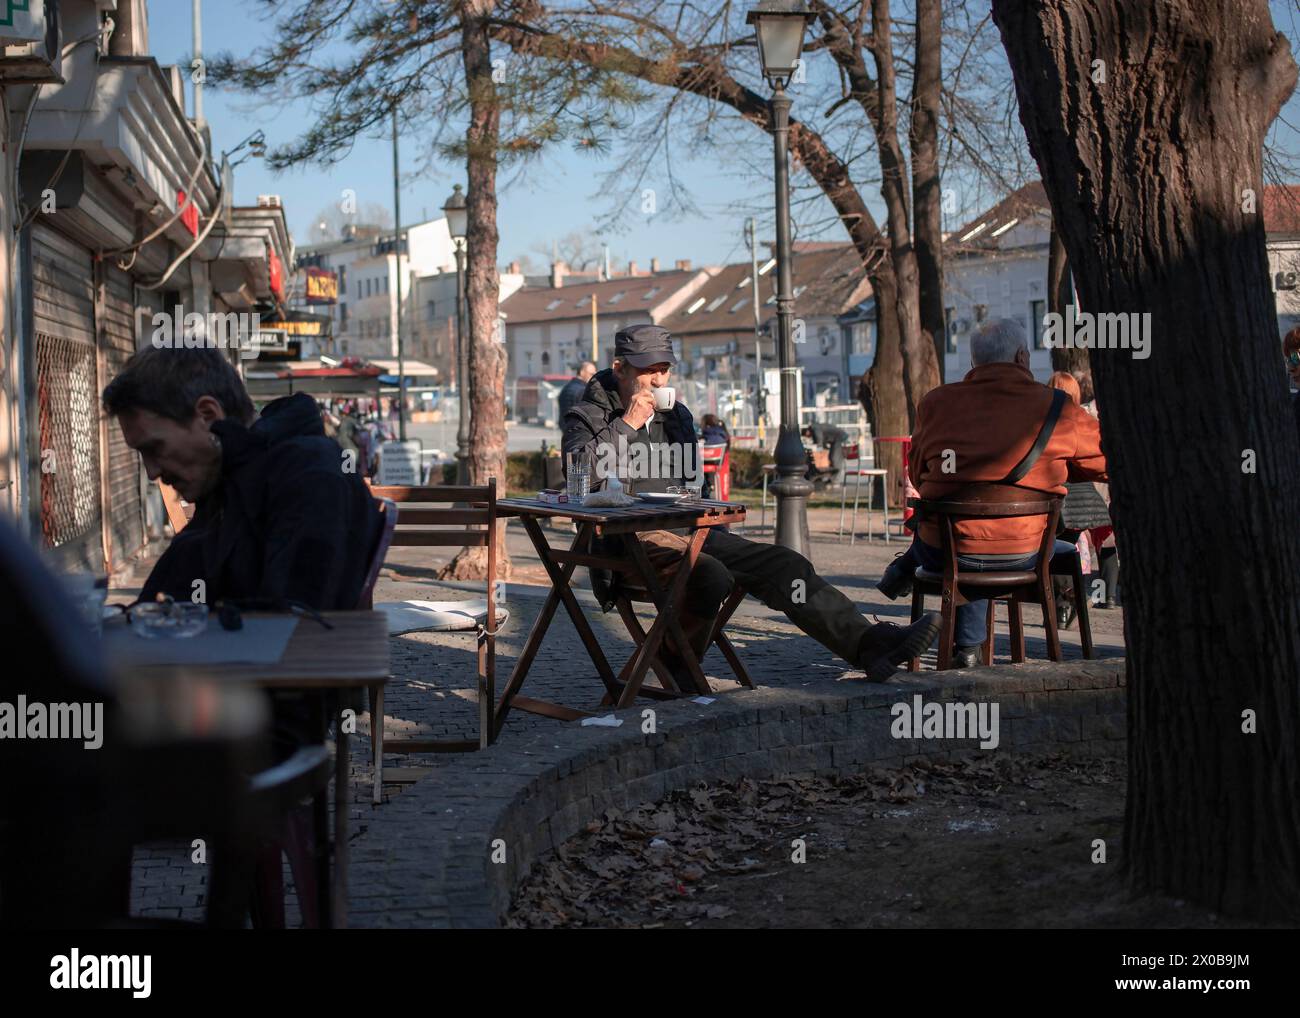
x=549 y=330
x=722 y=336
x=125 y=238
x=364 y=320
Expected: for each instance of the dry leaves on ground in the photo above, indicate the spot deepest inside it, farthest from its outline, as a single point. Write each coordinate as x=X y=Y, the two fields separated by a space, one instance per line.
x=643 y=866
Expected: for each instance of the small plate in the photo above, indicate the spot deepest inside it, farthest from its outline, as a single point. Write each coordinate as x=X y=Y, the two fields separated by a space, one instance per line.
x=662 y=496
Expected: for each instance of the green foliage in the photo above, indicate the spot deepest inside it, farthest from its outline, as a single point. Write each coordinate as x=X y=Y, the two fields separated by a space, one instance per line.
x=523 y=473
x=747 y=467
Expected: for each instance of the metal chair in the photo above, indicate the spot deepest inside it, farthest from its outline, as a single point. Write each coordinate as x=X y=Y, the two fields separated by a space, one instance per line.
x=768 y=470
x=853 y=468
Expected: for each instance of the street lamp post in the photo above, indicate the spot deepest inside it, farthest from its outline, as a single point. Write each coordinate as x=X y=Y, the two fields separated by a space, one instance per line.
x=457 y=224
x=397 y=244
x=780 y=28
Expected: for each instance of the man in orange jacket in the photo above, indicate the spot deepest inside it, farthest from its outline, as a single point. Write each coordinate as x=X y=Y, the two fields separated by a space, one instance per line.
x=980 y=430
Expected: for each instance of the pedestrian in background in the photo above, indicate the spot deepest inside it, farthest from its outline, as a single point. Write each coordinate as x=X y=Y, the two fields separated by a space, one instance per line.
x=573 y=389
x=1291 y=351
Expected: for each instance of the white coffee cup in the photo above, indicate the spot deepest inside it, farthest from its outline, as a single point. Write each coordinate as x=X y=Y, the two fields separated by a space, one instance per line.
x=665 y=398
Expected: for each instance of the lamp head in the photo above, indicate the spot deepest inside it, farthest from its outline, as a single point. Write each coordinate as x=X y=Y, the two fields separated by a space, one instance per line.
x=780 y=27
x=457 y=214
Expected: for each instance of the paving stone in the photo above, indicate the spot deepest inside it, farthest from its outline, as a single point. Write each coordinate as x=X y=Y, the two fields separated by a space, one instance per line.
x=543 y=780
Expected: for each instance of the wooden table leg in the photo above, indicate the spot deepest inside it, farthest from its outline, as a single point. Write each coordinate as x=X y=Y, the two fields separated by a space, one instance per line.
x=637 y=632
x=340 y=903
x=377 y=739
x=667 y=624
x=560 y=576
x=560 y=593
x=322 y=707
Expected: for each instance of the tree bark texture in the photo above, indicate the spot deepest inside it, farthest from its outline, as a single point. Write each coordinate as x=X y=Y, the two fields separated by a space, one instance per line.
x=920 y=364
x=487 y=356
x=879 y=391
x=1152 y=163
x=927 y=196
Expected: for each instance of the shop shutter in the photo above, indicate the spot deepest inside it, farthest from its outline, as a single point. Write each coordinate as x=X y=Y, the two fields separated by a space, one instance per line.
x=67 y=391
x=117 y=343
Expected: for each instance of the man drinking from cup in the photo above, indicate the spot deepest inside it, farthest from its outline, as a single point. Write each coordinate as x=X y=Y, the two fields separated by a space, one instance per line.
x=631 y=424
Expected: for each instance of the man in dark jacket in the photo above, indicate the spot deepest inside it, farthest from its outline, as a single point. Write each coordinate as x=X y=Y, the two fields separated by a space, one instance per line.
x=649 y=449
x=573 y=389
x=280 y=511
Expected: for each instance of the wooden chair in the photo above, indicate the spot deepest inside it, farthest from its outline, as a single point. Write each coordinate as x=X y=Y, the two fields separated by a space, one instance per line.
x=631 y=591
x=420 y=517
x=1072 y=566
x=955 y=588
x=178 y=510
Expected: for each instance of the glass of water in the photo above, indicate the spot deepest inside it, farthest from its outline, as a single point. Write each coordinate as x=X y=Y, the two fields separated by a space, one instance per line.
x=577 y=469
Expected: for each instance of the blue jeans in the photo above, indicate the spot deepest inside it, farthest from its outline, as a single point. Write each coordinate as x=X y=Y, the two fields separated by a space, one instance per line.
x=972 y=618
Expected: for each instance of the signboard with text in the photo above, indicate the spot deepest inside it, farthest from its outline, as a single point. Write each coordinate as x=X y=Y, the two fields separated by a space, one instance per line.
x=322 y=286
x=399 y=464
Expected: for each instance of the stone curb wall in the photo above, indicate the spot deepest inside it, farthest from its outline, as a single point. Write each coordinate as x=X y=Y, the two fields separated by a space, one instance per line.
x=529 y=794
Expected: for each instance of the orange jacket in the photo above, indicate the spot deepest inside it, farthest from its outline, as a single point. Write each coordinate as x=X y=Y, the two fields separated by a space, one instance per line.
x=989 y=420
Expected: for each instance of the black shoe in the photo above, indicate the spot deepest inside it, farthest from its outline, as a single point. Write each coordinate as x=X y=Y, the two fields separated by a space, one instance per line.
x=886 y=645
x=1064 y=614
x=897 y=580
x=968 y=657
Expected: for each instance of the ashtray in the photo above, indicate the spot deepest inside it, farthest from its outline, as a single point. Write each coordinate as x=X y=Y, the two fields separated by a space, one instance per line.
x=168 y=620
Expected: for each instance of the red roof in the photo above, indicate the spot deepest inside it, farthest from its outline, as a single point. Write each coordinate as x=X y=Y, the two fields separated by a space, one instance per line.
x=616 y=296
x=1281 y=208
x=1022 y=203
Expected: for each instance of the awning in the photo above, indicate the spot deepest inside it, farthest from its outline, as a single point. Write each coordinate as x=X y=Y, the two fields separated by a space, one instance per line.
x=411 y=368
x=269 y=380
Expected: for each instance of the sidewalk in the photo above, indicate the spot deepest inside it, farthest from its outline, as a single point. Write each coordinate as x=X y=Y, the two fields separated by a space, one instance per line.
x=433 y=689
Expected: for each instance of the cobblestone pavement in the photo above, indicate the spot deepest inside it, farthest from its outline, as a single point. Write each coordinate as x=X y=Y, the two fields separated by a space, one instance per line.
x=432 y=692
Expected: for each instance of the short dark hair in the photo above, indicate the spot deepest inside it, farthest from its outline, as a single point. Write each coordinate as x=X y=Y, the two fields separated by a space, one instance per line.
x=170 y=380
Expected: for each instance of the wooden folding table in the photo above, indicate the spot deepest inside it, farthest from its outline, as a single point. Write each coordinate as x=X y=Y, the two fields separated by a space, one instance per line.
x=621 y=689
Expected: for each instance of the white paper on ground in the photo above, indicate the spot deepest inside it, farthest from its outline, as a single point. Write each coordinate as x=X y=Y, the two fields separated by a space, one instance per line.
x=608 y=721
x=702 y=699
x=441 y=616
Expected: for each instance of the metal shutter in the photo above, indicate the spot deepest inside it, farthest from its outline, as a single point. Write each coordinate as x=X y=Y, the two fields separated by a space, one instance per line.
x=67 y=391
x=117 y=343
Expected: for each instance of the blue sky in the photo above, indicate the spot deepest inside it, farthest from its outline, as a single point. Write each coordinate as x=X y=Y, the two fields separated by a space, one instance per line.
x=558 y=197
x=550 y=200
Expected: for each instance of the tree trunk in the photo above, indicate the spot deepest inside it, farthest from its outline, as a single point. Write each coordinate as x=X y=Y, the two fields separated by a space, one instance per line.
x=1060 y=296
x=487 y=356
x=920 y=364
x=879 y=392
x=1202 y=446
x=927 y=199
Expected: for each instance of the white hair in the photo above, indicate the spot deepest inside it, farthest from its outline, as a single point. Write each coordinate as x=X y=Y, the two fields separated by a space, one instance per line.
x=997 y=342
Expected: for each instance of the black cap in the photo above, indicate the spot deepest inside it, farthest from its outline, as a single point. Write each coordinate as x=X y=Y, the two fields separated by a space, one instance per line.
x=644 y=345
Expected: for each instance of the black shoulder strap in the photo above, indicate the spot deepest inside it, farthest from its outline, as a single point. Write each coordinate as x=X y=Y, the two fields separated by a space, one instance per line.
x=1040 y=443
